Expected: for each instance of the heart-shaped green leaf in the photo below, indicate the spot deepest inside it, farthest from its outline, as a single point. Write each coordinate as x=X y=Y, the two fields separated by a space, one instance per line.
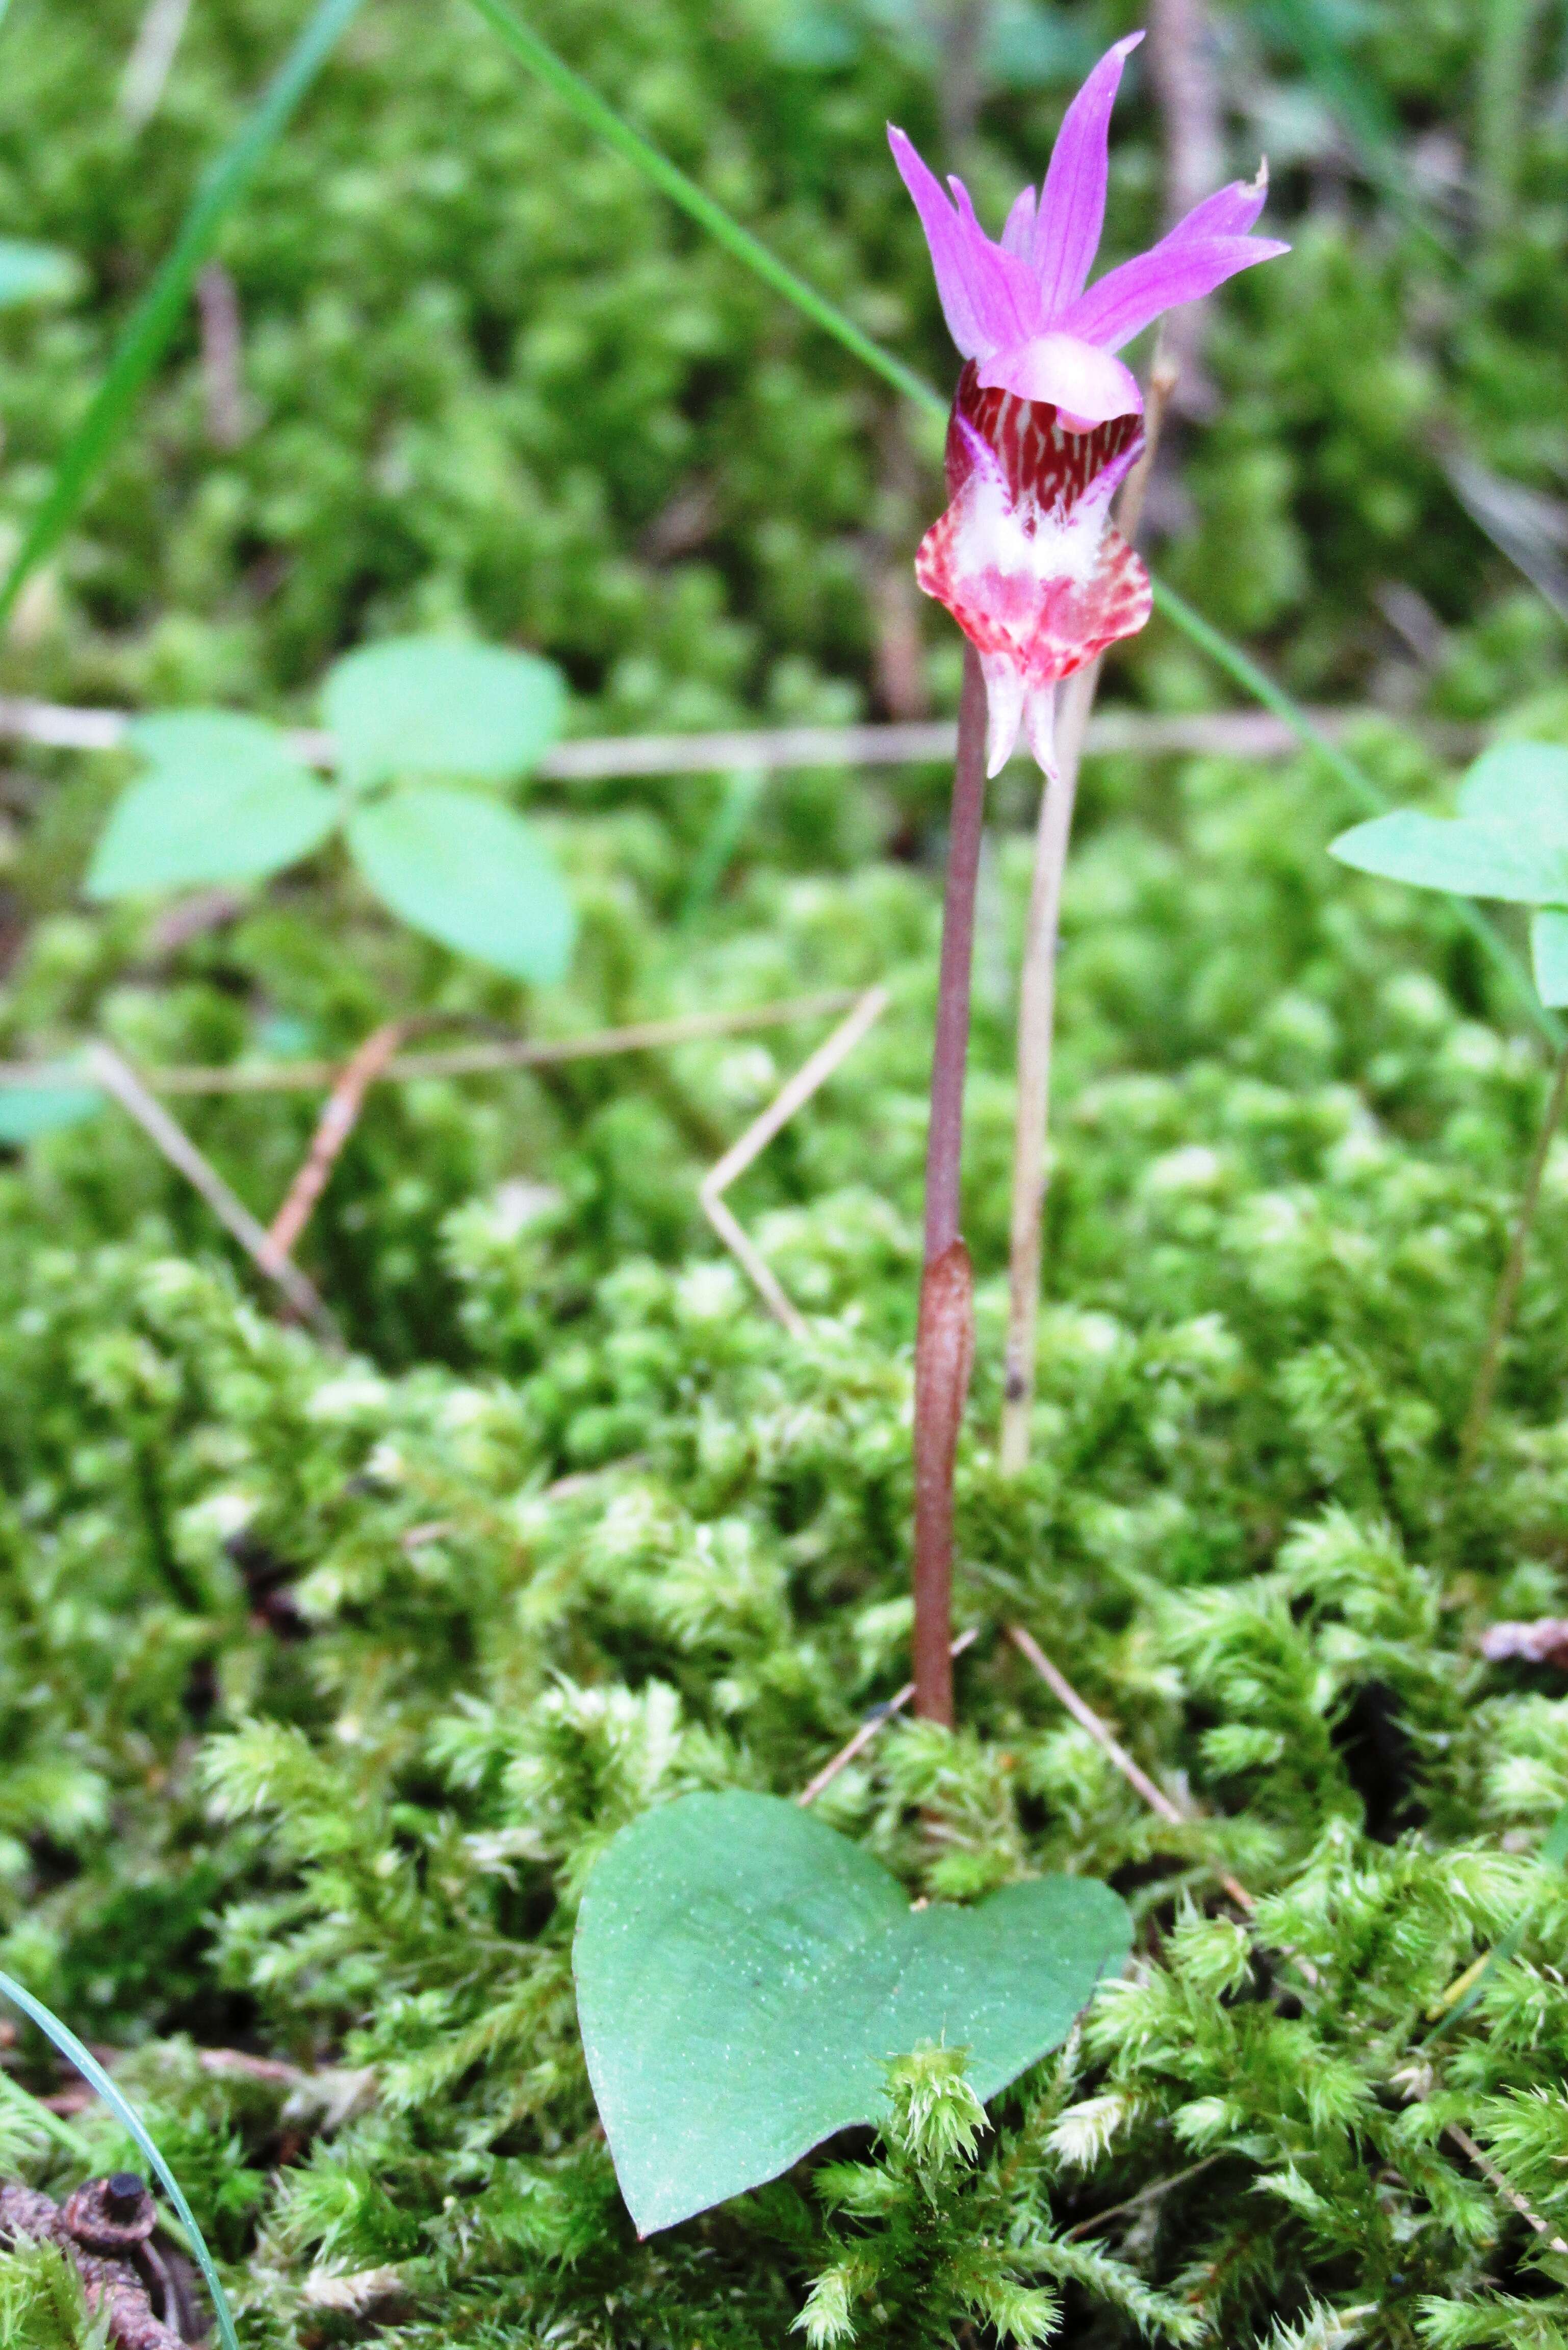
x=225 y=801
x=469 y=873
x=743 y=1974
x=1469 y=855
x=437 y=706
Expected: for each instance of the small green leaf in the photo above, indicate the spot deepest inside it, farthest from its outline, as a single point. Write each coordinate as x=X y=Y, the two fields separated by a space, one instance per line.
x=1549 y=953
x=1521 y=783
x=35 y=272
x=1471 y=856
x=28 y=1111
x=469 y=873
x=437 y=706
x=225 y=801
x=744 y=1974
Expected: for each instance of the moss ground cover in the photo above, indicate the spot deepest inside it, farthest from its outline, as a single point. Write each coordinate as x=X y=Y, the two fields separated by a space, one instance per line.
x=325 y=1681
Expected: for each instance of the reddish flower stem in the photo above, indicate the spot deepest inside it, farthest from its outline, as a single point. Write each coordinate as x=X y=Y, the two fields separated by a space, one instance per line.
x=944 y=1346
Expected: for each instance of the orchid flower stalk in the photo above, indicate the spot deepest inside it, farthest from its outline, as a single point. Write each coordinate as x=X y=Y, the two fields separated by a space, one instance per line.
x=1047 y=424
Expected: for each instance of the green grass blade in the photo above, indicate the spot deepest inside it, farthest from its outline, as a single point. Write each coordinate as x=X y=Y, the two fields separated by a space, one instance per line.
x=1553 y=1853
x=92 y=2072
x=1355 y=102
x=158 y=313
x=590 y=108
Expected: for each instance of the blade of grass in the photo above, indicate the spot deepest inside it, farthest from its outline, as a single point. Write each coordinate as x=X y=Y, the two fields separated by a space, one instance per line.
x=599 y=115
x=1553 y=1853
x=591 y=109
x=158 y=313
x=92 y=2072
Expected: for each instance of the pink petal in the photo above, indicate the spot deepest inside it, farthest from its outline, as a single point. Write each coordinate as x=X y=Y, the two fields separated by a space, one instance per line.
x=1015 y=295
x=1229 y=211
x=980 y=286
x=1180 y=268
x=1072 y=205
x=1018 y=234
x=1086 y=382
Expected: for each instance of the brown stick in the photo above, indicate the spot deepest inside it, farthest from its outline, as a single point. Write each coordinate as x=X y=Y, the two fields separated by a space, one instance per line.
x=117 y=1078
x=335 y=1125
x=1037 y=994
x=466 y=1061
x=1083 y=1713
x=222 y=356
x=870 y=1727
x=944 y=1344
x=1182 y=66
x=806 y=1080
x=1233 y=733
x=1512 y=1274
x=1157 y=1801
x=1489 y=2169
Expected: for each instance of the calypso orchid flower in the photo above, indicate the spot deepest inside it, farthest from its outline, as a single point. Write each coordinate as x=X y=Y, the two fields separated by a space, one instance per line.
x=1047 y=420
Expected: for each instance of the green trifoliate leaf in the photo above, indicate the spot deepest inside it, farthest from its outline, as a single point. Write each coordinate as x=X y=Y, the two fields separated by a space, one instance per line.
x=1524 y=784
x=35 y=272
x=27 y=1112
x=224 y=800
x=437 y=706
x=470 y=873
x=1549 y=953
x=744 y=1975
x=1470 y=857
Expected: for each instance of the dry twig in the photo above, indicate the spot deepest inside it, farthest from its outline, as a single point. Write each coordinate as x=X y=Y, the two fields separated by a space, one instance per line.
x=805 y=1081
x=1085 y=1714
x=336 y=1123
x=222 y=356
x=119 y=1078
x=151 y=59
x=873 y=1724
x=465 y=1061
x=1228 y=734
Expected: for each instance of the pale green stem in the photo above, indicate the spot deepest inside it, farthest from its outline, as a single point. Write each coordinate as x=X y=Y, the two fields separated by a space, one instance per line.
x=1507 y=1295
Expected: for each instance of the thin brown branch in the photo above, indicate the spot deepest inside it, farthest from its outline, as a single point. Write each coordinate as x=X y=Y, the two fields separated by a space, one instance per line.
x=222 y=355
x=336 y=1123
x=1146 y=2195
x=118 y=1077
x=1084 y=1714
x=1183 y=69
x=1230 y=733
x=466 y=1061
x=152 y=60
x=870 y=1727
x=1157 y=1801
x=807 y=1080
x=1489 y=2170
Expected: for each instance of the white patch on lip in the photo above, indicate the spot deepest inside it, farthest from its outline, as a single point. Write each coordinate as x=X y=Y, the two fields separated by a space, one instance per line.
x=1024 y=539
